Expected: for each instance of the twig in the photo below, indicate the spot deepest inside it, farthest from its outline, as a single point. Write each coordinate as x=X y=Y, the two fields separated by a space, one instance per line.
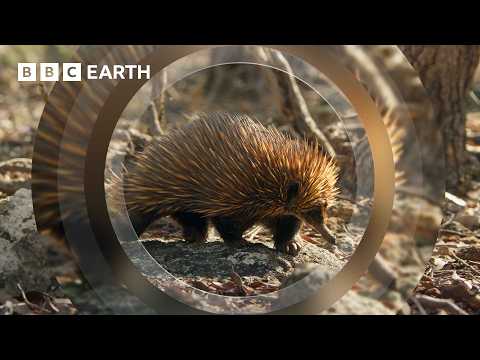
x=411 y=191
x=464 y=263
x=444 y=304
x=419 y=305
x=155 y=128
x=475 y=98
x=157 y=107
x=43 y=91
x=340 y=197
x=237 y=280
x=302 y=105
x=254 y=233
x=452 y=232
x=448 y=221
x=51 y=301
x=29 y=303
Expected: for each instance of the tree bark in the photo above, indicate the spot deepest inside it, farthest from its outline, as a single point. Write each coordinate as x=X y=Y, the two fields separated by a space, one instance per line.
x=447 y=73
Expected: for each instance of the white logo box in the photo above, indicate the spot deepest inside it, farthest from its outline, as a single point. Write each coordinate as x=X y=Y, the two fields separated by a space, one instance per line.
x=49 y=72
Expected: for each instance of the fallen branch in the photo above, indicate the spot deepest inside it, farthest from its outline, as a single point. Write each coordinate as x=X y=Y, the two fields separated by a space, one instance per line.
x=31 y=305
x=352 y=201
x=419 y=305
x=432 y=303
x=301 y=107
x=465 y=263
x=159 y=94
x=382 y=272
x=237 y=280
x=452 y=232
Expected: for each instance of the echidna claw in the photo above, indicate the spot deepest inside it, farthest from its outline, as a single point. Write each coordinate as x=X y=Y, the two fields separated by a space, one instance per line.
x=291 y=248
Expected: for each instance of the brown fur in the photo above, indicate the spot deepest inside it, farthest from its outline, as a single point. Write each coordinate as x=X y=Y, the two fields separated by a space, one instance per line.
x=228 y=166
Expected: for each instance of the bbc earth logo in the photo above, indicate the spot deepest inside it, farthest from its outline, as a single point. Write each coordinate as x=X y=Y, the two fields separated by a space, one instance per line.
x=50 y=72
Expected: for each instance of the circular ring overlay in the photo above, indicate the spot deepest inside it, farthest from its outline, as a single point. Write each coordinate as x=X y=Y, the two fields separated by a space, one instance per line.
x=68 y=179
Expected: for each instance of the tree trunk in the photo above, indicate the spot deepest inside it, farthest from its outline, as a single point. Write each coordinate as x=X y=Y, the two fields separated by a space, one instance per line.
x=447 y=72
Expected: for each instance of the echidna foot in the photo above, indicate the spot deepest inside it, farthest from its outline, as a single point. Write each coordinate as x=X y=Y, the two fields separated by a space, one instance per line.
x=195 y=227
x=193 y=236
x=290 y=247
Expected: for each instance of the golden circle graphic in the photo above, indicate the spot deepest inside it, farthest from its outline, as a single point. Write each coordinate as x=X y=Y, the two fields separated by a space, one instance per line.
x=69 y=175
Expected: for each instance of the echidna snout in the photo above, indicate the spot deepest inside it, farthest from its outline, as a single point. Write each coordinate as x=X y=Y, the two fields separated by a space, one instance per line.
x=316 y=218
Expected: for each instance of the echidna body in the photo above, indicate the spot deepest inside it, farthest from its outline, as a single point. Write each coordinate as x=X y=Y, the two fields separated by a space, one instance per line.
x=233 y=172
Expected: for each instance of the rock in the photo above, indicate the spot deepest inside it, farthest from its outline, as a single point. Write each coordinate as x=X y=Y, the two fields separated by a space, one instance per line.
x=346 y=245
x=473 y=121
x=395 y=302
x=459 y=203
x=323 y=275
x=23 y=251
x=470 y=218
x=354 y=304
x=107 y=300
x=313 y=277
x=214 y=260
x=15 y=174
x=216 y=269
x=15 y=142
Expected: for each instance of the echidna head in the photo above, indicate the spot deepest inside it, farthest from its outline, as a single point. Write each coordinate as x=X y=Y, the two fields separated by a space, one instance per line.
x=317 y=217
x=313 y=211
x=307 y=182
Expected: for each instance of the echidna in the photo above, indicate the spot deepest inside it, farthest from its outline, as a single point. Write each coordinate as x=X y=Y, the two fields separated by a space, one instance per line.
x=233 y=172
